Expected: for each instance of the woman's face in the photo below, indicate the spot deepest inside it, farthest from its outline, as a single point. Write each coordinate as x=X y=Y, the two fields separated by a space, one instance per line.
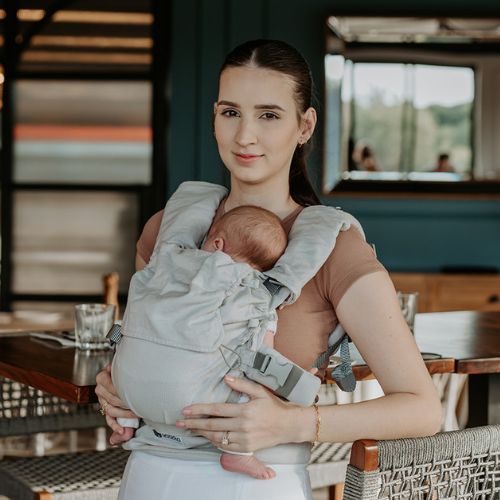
x=256 y=124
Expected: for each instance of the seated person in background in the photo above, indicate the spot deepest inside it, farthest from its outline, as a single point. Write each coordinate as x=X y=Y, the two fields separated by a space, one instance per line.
x=443 y=164
x=364 y=159
x=255 y=236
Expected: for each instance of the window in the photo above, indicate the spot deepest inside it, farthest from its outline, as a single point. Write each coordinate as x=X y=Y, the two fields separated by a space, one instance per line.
x=80 y=170
x=397 y=117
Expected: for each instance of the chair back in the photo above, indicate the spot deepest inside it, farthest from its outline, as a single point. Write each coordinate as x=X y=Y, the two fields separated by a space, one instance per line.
x=25 y=410
x=462 y=464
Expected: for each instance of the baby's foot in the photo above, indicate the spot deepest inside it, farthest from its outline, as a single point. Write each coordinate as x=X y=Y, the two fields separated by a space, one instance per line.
x=246 y=464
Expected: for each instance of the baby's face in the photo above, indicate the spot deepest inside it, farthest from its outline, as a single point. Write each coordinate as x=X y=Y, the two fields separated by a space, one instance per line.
x=208 y=245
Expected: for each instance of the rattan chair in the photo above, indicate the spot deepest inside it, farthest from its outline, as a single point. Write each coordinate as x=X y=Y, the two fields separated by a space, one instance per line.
x=459 y=465
x=25 y=410
x=83 y=476
x=91 y=475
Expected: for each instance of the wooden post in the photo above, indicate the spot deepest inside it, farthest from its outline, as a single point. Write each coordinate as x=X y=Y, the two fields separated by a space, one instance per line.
x=110 y=287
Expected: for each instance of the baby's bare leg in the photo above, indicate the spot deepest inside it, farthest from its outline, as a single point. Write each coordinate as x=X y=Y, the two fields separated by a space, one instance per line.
x=246 y=464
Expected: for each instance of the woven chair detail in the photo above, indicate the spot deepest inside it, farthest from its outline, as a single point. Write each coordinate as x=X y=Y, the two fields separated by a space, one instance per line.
x=25 y=410
x=459 y=465
x=94 y=475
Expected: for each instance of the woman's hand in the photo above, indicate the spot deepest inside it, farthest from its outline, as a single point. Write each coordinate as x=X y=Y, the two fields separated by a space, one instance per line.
x=262 y=422
x=112 y=405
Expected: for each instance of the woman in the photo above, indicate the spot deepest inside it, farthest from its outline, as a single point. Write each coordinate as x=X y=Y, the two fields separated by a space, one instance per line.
x=263 y=123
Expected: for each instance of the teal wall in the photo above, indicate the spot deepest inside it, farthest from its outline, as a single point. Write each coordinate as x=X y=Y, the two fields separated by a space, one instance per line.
x=410 y=234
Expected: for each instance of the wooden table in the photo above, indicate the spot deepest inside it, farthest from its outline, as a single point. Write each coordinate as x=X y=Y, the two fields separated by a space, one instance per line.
x=63 y=371
x=469 y=343
x=473 y=340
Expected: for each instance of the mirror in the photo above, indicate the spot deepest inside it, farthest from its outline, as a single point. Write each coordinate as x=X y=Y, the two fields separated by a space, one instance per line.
x=411 y=99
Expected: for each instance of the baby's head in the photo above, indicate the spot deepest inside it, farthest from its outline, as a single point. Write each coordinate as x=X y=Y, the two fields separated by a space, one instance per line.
x=248 y=234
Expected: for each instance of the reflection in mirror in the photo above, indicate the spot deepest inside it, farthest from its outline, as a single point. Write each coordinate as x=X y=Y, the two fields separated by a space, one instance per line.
x=406 y=99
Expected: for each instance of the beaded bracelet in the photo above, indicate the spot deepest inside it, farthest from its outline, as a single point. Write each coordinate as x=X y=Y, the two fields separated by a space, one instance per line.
x=318 y=422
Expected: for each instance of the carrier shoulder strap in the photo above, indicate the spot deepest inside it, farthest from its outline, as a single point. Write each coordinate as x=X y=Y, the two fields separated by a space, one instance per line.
x=188 y=214
x=342 y=372
x=310 y=242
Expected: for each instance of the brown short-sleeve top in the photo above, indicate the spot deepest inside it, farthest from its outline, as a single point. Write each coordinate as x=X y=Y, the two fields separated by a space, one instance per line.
x=304 y=327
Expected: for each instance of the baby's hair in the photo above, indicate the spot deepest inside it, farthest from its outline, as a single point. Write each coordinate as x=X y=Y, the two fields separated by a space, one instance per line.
x=252 y=234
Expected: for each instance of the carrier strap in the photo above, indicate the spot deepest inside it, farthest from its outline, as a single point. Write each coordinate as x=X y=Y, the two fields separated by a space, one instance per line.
x=273 y=370
x=342 y=374
x=273 y=286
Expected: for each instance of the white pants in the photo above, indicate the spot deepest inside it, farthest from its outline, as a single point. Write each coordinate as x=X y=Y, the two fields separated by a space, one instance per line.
x=152 y=477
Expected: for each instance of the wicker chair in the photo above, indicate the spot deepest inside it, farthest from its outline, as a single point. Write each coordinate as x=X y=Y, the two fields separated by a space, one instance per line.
x=83 y=476
x=93 y=475
x=25 y=410
x=462 y=464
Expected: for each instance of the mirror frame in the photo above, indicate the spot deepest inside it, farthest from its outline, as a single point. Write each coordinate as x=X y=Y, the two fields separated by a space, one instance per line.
x=407 y=185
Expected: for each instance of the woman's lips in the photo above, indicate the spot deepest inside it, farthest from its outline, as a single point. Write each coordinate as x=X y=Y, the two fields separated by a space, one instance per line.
x=246 y=159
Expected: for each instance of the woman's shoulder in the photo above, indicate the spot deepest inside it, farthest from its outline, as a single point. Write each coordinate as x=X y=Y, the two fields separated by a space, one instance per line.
x=147 y=240
x=351 y=258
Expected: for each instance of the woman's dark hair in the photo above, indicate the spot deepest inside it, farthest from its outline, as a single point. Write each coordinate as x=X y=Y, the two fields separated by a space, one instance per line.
x=279 y=56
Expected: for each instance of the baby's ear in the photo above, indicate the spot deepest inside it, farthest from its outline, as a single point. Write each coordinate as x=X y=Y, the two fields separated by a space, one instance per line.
x=219 y=244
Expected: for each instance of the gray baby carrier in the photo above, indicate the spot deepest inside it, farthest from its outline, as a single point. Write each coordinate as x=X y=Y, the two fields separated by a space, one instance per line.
x=193 y=316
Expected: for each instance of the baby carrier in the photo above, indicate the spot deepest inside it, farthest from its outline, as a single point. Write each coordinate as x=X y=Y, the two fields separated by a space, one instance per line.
x=193 y=316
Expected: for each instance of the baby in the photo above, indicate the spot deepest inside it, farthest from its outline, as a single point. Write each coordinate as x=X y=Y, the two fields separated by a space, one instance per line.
x=255 y=236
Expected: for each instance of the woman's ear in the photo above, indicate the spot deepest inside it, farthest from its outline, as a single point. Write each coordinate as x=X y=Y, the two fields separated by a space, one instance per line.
x=309 y=119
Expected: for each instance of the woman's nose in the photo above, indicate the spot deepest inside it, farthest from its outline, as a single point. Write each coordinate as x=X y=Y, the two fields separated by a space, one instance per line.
x=245 y=134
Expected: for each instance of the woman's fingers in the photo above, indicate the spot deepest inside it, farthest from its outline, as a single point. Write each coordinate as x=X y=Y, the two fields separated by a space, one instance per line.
x=233 y=440
x=105 y=389
x=111 y=421
x=213 y=410
x=117 y=411
x=246 y=386
x=106 y=393
x=208 y=424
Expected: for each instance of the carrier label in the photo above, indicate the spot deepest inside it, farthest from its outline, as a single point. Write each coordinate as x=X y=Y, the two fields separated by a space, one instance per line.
x=170 y=437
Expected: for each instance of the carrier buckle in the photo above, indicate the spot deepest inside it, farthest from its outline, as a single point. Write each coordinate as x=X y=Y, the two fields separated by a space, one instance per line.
x=268 y=366
x=272 y=286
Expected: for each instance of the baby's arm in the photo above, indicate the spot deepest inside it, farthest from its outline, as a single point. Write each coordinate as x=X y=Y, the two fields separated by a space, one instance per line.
x=268 y=340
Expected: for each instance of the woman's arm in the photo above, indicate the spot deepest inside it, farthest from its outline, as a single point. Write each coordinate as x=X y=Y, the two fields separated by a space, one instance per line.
x=107 y=395
x=370 y=312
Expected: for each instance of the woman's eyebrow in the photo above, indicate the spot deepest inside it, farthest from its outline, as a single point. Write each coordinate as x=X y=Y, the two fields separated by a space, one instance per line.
x=228 y=103
x=257 y=106
x=269 y=106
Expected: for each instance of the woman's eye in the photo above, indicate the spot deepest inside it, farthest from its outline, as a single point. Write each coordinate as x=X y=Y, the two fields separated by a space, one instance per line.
x=229 y=112
x=270 y=116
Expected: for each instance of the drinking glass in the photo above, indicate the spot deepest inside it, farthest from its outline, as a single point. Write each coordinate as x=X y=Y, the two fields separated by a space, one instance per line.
x=92 y=323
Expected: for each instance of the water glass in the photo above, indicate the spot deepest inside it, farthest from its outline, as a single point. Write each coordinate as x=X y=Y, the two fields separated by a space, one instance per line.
x=92 y=323
x=409 y=305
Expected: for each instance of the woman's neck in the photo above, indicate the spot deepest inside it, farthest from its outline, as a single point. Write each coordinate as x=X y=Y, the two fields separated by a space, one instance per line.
x=278 y=201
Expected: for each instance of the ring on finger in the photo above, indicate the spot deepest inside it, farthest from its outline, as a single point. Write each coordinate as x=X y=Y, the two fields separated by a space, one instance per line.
x=225 y=438
x=102 y=409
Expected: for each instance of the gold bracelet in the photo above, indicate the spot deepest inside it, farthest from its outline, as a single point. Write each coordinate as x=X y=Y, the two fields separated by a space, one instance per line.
x=318 y=422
